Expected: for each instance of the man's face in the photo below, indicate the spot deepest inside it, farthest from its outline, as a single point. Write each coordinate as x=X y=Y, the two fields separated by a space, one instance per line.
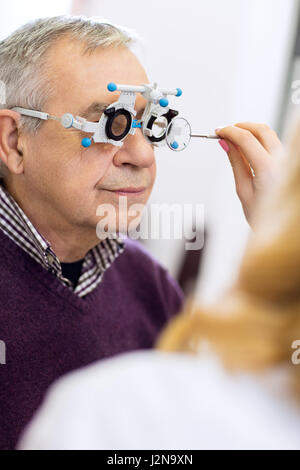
x=72 y=181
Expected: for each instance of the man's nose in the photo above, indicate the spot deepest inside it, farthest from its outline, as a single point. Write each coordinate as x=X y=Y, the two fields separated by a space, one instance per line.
x=136 y=150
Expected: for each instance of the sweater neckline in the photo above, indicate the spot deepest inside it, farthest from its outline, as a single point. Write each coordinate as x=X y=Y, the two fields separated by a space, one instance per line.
x=49 y=279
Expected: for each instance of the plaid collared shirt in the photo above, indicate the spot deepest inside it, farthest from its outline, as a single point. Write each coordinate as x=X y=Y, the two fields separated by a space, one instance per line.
x=16 y=225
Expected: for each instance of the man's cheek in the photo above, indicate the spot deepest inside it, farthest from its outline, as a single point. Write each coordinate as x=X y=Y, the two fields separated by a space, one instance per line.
x=153 y=173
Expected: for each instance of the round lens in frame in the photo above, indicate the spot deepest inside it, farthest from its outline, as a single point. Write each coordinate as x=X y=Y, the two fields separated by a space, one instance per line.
x=178 y=134
x=119 y=125
x=159 y=127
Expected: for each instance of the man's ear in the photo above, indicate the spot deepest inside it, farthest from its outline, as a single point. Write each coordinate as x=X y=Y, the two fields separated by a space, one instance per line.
x=10 y=148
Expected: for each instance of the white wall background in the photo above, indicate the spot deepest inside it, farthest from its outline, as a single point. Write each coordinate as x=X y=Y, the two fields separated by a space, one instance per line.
x=17 y=12
x=230 y=59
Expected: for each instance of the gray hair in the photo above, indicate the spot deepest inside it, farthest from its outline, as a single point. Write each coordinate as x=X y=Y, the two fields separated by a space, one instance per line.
x=23 y=58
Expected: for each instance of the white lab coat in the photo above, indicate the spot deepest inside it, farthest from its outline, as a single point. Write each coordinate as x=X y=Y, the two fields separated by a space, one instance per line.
x=154 y=400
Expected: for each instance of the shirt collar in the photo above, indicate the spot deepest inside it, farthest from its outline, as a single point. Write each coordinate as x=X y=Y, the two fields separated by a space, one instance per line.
x=13 y=220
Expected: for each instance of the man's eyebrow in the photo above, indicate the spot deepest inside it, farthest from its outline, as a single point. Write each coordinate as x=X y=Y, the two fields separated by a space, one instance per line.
x=98 y=108
x=94 y=108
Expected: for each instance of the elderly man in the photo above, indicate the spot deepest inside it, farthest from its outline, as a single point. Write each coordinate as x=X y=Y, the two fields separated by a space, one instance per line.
x=67 y=297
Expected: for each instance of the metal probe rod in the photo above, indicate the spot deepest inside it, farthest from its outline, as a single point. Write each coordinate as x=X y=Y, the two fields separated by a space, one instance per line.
x=206 y=136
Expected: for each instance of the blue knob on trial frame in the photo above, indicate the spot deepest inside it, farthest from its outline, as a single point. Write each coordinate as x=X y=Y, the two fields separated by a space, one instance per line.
x=111 y=86
x=136 y=124
x=174 y=145
x=86 y=142
x=163 y=102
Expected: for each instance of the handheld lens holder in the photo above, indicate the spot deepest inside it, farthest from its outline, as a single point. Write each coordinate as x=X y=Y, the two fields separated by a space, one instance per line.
x=117 y=120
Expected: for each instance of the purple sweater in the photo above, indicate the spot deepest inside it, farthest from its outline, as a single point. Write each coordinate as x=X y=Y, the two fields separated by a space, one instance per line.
x=49 y=331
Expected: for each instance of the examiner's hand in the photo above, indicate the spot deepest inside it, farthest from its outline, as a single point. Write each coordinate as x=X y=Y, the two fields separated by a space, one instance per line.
x=251 y=146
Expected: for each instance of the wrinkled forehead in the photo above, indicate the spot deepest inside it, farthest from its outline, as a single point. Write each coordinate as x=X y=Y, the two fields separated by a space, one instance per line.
x=81 y=80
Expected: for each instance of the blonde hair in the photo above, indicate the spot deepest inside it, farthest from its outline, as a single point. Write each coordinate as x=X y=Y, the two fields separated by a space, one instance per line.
x=254 y=325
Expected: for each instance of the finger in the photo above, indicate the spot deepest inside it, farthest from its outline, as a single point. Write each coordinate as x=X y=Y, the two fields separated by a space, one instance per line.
x=251 y=148
x=265 y=135
x=241 y=170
